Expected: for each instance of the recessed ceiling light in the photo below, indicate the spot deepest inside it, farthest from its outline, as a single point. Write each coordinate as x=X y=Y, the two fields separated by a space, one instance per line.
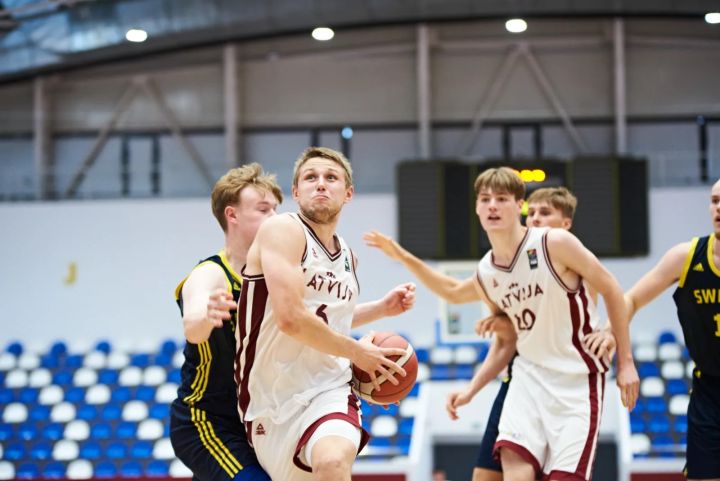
x=136 y=35
x=516 y=25
x=712 y=17
x=323 y=33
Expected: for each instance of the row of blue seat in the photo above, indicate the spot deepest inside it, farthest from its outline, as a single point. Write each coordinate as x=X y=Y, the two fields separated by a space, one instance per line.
x=90 y=450
x=658 y=424
x=102 y=470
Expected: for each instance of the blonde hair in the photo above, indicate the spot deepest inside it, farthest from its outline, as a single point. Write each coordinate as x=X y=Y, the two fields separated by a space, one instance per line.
x=228 y=188
x=558 y=197
x=501 y=179
x=324 y=153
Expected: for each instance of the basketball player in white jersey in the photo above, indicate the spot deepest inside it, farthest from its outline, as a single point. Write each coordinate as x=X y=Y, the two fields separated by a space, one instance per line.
x=537 y=276
x=296 y=309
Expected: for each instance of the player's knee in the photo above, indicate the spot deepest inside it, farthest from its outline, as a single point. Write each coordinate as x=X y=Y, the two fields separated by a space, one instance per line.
x=330 y=463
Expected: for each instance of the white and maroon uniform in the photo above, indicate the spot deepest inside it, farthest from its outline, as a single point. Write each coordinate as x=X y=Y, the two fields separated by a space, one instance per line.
x=552 y=411
x=286 y=388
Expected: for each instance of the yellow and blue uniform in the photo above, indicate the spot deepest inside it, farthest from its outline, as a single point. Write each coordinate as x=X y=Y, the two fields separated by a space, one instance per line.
x=697 y=298
x=205 y=428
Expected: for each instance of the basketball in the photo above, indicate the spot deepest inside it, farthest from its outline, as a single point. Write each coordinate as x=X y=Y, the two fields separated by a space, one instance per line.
x=389 y=393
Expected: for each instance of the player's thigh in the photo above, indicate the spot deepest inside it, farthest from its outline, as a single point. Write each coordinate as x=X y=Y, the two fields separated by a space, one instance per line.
x=275 y=448
x=483 y=474
x=703 y=448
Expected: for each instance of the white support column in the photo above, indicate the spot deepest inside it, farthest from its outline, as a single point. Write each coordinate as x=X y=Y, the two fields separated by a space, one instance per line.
x=41 y=141
x=620 y=87
x=423 y=91
x=230 y=95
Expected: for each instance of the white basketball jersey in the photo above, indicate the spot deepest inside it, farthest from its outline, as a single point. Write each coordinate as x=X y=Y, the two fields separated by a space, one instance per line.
x=550 y=319
x=277 y=375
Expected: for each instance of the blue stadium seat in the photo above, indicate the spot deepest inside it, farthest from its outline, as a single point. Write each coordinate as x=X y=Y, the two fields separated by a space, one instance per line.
x=58 y=349
x=53 y=431
x=54 y=470
x=63 y=377
x=648 y=369
x=677 y=386
x=74 y=361
x=28 y=395
x=90 y=450
x=6 y=432
x=163 y=360
x=106 y=469
x=121 y=394
x=111 y=412
x=392 y=410
x=15 y=348
x=87 y=412
x=656 y=405
x=116 y=450
x=640 y=406
x=145 y=393
x=126 y=430
x=27 y=431
x=662 y=444
x=482 y=351
x=405 y=426
x=108 y=376
x=659 y=424
x=158 y=469
x=169 y=346
x=380 y=442
x=666 y=336
x=140 y=360
x=441 y=372
x=27 y=471
x=75 y=395
x=174 y=376
x=131 y=469
x=6 y=396
x=100 y=431
x=423 y=355
x=680 y=424
x=103 y=346
x=685 y=354
x=464 y=371
x=159 y=411
x=141 y=450
x=49 y=362
x=415 y=390
x=40 y=413
x=14 y=452
x=403 y=443
x=637 y=424
x=41 y=451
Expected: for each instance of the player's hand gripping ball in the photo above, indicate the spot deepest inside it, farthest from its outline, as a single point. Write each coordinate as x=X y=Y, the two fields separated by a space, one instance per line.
x=389 y=393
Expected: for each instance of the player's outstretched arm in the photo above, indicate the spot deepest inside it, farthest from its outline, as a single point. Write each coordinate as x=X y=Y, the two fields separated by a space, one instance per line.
x=206 y=302
x=398 y=300
x=452 y=290
x=567 y=252
x=280 y=243
x=501 y=352
x=666 y=272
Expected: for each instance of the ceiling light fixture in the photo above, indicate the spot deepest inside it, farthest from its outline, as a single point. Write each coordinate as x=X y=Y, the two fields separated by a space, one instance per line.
x=323 y=34
x=712 y=17
x=136 y=35
x=516 y=25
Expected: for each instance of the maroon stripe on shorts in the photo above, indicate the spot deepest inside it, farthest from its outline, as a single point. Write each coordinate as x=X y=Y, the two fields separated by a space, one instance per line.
x=576 y=326
x=585 y=458
x=521 y=451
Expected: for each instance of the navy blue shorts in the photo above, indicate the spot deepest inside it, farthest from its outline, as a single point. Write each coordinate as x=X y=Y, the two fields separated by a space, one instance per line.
x=703 y=441
x=215 y=448
x=485 y=456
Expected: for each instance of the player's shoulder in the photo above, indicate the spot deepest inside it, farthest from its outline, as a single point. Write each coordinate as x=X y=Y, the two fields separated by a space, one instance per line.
x=679 y=252
x=280 y=223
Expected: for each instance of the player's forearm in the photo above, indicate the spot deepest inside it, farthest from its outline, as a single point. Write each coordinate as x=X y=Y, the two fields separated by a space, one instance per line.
x=440 y=284
x=309 y=329
x=619 y=319
x=368 y=312
x=498 y=358
x=196 y=326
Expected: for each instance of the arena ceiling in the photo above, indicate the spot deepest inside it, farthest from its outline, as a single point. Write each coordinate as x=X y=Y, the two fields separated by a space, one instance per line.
x=47 y=35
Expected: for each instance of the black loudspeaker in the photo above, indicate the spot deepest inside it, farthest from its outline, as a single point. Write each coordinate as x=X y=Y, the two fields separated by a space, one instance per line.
x=436 y=205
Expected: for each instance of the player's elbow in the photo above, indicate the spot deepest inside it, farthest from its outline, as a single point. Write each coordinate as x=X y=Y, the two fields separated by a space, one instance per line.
x=287 y=324
x=193 y=335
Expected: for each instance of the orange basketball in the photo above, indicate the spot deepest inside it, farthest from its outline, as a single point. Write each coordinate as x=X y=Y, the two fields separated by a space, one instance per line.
x=389 y=393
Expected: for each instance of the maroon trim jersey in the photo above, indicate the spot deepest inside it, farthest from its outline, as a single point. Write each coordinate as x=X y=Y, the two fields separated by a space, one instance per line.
x=550 y=318
x=277 y=376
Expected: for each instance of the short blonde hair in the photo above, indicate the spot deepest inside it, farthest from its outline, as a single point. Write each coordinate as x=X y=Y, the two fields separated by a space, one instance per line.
x=501 y=179
x=228 y=188
x=558 y=197
x=324 y=153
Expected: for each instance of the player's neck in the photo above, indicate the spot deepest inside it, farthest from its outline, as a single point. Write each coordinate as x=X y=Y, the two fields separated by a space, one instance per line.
x=504 y=244
x=236 y=250
x=325 y=232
